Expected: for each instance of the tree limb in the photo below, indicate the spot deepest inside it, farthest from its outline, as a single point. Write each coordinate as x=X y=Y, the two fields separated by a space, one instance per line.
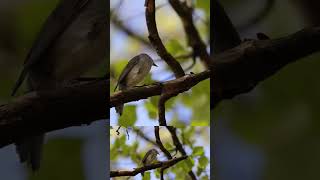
x=240 y=69
x=156 y=41
x=44 y=111
x=158 y=141
x=136 y=171
x=179 y=146
x=170 y=87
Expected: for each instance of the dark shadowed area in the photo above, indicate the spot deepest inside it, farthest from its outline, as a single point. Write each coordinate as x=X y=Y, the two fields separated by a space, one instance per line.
x=272 y=132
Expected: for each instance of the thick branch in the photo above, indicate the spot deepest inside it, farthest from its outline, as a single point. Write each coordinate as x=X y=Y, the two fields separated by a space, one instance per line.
x=156 y=41
x=136 y=171
x=175 y=86
x=44 y=111
x=193 y=37
x=240 y=69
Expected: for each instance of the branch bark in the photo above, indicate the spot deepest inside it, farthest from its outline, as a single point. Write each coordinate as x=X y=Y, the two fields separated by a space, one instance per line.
x=240 y=69
x=156 y=41
x=193 y=37
x=44 y=111
x=175 y=86
x=158 y=141
x=136 y=171
x=179 y=146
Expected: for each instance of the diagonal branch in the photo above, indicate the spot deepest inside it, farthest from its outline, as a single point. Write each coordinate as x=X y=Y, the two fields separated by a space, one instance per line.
x=156 y=41
x=179 y=146
x=136 y=171
x=240 y=69
x=161 y=146
x=193 y=36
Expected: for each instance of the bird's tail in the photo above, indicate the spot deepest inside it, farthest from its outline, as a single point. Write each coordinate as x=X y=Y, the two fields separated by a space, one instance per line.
x=119 y=109
x=30 y=150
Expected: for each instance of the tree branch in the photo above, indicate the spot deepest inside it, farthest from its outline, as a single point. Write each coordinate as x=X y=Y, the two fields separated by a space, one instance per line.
x=143 y=136
x=179 y=146
x=240 y=69
x=161 y=146
x=120 y=25
x=44 y=111
x=175 y=86
x=156 y=41
x=193 y=37
x=136 y=171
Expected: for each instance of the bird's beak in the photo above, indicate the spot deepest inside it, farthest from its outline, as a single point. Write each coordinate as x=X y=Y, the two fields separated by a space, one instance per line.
x=154 y=64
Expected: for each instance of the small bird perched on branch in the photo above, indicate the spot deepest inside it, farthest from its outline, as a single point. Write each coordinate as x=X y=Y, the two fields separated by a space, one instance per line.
x=73 y=39
x=149 y=158
x=134 y=72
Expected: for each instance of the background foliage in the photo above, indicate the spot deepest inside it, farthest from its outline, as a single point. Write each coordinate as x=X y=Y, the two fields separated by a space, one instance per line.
x=128 y=148
x=191 y=107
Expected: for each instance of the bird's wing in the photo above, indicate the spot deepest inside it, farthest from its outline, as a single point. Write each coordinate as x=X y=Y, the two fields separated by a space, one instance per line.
x=55 y=25
x=145 y=157
x=127 y=69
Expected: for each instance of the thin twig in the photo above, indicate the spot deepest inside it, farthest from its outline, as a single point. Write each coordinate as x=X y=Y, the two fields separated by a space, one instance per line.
x=161 y=146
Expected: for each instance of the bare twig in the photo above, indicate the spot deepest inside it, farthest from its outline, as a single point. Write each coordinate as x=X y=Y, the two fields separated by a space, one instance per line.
x=143 y=136
x=136 y=171
x=120 y=25
x=158 y=141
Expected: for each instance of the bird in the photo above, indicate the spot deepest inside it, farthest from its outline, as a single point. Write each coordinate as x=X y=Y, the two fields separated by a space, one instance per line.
x=73 y=39
x=133 y=73
x=149 y=158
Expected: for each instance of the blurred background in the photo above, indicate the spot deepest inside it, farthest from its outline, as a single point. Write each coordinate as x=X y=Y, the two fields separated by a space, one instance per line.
x=72 y=153
x=272 y=133
x=128 y=147
x=129 y=37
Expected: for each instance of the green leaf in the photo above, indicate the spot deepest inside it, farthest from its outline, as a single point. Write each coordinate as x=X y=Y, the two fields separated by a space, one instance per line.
x=174 y=46
x=186 y=164
x=146 y=176
x=198 y=151
x=199 y=170
x=203 y=161
x=129 y=116
x=152 y=110
x=205 y=5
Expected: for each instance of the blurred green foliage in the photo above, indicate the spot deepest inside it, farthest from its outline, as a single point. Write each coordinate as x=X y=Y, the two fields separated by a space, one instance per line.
x=134 y=148
x=196 y=100
x=61 y=160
